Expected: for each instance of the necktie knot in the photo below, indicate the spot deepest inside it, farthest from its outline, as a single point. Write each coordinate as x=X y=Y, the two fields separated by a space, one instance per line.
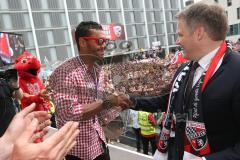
x=195 y=66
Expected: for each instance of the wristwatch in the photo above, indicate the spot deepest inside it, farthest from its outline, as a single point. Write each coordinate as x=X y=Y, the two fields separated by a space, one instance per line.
x=107 y=104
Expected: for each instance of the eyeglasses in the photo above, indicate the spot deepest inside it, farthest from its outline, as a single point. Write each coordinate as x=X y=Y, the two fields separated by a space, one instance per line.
x=99 y=41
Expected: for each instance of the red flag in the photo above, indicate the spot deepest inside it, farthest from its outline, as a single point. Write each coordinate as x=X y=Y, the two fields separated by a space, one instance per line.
x=4 y=45
x=178 y=58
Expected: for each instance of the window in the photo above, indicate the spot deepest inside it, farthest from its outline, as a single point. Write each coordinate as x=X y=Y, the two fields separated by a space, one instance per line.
x=238 y=29
x=234 y=29
x=238 y=13
x=226 y=13
x=187 y=3
x=229 y=2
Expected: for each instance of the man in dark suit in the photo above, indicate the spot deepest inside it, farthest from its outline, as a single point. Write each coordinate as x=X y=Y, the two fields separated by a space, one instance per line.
x=205 y=97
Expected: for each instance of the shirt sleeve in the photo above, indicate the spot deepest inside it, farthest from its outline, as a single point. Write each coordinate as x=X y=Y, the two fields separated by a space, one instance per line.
x=65 y=96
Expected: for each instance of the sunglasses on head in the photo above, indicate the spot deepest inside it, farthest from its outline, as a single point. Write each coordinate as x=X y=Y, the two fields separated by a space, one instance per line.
x=99 y=41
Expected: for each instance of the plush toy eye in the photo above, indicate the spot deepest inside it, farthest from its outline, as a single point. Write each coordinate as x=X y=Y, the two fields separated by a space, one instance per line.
x=24 y=61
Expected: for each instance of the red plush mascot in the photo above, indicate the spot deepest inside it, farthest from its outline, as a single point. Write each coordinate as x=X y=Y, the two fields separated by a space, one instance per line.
x=28 y=67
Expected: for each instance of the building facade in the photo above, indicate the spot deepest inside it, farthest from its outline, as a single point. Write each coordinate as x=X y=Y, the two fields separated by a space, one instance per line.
x=47 y=24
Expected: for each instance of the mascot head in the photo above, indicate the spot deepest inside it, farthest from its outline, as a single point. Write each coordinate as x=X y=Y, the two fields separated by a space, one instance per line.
x=28 y=63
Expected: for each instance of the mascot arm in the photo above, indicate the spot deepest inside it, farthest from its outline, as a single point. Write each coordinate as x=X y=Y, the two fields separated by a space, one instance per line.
x=29 y=99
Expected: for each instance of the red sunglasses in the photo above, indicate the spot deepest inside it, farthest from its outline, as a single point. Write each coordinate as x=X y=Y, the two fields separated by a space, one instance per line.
x=99 y=41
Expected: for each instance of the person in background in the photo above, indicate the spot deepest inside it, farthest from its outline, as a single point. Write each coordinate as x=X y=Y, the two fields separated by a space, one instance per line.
x=9 y=92
x=147 y=125
x=136 y=128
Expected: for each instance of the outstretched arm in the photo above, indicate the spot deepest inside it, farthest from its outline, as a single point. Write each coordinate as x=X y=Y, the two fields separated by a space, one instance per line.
x=150 y=104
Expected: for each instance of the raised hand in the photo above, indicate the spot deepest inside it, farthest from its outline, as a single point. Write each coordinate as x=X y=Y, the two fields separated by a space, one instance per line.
x=53 y=148
x=23 y=118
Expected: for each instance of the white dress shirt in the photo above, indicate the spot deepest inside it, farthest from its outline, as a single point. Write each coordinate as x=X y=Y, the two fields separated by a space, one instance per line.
x=204 y=63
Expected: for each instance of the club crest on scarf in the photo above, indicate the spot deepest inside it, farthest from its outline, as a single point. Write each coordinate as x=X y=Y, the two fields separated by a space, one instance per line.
x=196 y=135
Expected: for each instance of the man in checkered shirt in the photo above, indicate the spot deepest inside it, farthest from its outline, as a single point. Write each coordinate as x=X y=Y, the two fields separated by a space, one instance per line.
x=79 y=95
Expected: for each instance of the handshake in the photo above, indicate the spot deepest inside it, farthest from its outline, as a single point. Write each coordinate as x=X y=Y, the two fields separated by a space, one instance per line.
x=119 y=100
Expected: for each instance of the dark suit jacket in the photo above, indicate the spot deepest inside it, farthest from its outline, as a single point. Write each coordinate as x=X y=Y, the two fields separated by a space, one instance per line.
x=221 y=111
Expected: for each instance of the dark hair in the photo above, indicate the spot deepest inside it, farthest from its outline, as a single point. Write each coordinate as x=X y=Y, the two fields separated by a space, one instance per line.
x=212 y=17
x=83 y=30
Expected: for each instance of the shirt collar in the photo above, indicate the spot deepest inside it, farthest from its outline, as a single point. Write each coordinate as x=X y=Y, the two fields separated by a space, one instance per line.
x=205 y=61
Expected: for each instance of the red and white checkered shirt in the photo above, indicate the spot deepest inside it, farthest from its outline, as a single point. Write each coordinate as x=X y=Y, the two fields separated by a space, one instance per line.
x=74 y=86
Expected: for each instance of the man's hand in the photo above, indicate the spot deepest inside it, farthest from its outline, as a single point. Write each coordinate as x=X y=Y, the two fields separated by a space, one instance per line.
x=46 y=94
x=128 y=103
x=23 y=118
x=19 y=125
x=53 y=148
x=120 y=100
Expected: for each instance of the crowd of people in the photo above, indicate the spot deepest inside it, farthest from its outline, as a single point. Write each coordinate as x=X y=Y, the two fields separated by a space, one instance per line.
x=147 y=77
